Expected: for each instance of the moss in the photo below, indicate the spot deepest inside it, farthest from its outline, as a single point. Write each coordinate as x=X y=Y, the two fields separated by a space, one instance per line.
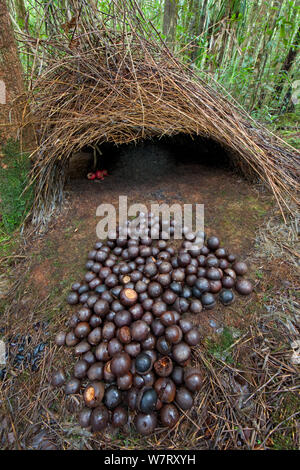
x=286 y=436
x=220 y=348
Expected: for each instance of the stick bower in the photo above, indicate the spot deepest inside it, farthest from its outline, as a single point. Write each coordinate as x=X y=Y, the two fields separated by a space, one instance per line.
x=121 y=88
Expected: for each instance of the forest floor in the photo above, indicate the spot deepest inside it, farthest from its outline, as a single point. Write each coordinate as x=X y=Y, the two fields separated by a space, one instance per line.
x=250 y=398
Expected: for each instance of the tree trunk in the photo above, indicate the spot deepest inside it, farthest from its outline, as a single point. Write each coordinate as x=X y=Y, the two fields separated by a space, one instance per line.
x=287 y=104
x=11 y=78
x=170 y=21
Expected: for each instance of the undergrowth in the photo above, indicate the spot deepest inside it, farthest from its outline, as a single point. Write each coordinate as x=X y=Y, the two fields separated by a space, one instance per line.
x=15 y=199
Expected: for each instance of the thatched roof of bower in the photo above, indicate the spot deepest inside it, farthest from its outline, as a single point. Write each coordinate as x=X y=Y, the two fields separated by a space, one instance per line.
x=120 y=85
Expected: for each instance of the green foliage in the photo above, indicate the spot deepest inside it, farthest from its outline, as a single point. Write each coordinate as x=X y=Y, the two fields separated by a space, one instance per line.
x=15 y=201
x=286 y=436
x=221 y=348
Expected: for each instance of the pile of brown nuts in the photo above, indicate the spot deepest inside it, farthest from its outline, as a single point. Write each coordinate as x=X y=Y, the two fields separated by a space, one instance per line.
x=132 y=333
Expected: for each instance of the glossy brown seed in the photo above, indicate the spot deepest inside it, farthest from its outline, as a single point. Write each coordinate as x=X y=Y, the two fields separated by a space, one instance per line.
x=116 y=306
x=145 y=423
x=139 y=330
x=221 y=253
x=157 y=327
x=95 y=372
x=228 y=282
x=120 y=364
x=73 y=298
x=178 y=275
x=167 y=318
x=119 y=417
x=84 y=314
x=125 y=382
x=147 y=399
x=140 y=287
x=196 y=307
x=169 y=415
x=213 y=243
x=193 y=379
x=136 y=312
x=95 y=336
x=80 y=369
x=208 y=300
x=112 y=397
x=184 y=398
x=184 y=259
x=124 y=335
x=123 y=318
x=244 y=286
x=163 y=346
x=163 y=366
x=147 y=304
x=213 y=274
x=99 y=418
x=150 y=270
x=147 y=318
x=192 y=337
x=230 y=272
x=60 y=338
x=138 y=381
x=169 y=297
x=240 y=268
x=72 y=386
x=74 y=320
x=164 y=279
x=128 y=297
x=82 y=348
x=181 y=352
x=173 y=334
x=165 y=389
x=158 y=308
x=143 y=363
x=108 y=330
x=114 y=347
x=223 y=264
x=82 y=330
x=185 y=325
x=154 y=289
x=93 y=394
x=181 y=305
x=177 y=375
x=101 y=307
x=108 y=376
x=58 y=378
x=89 y=357
x=101 y=352
x=133 y=348
x=149 y=343
x=231 y=258
x=215 y=286
x=85 y=417
x=95 y=321
x=149 y=379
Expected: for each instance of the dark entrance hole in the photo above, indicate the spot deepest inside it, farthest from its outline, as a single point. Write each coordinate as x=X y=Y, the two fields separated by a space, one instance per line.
x=152 y=161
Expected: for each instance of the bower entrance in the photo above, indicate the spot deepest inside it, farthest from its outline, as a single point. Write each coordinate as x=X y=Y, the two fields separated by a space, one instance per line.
x=173 y=170
x=150 y=161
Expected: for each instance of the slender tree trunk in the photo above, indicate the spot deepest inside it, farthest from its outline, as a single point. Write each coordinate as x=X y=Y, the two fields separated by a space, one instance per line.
x=11 y=77
x=170 y=21
x=285 y=69
x=20 y=13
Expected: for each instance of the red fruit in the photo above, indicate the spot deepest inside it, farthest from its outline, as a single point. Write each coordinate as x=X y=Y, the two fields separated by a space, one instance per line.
x=104 y=173
x=99 y=174
x=91 y=176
